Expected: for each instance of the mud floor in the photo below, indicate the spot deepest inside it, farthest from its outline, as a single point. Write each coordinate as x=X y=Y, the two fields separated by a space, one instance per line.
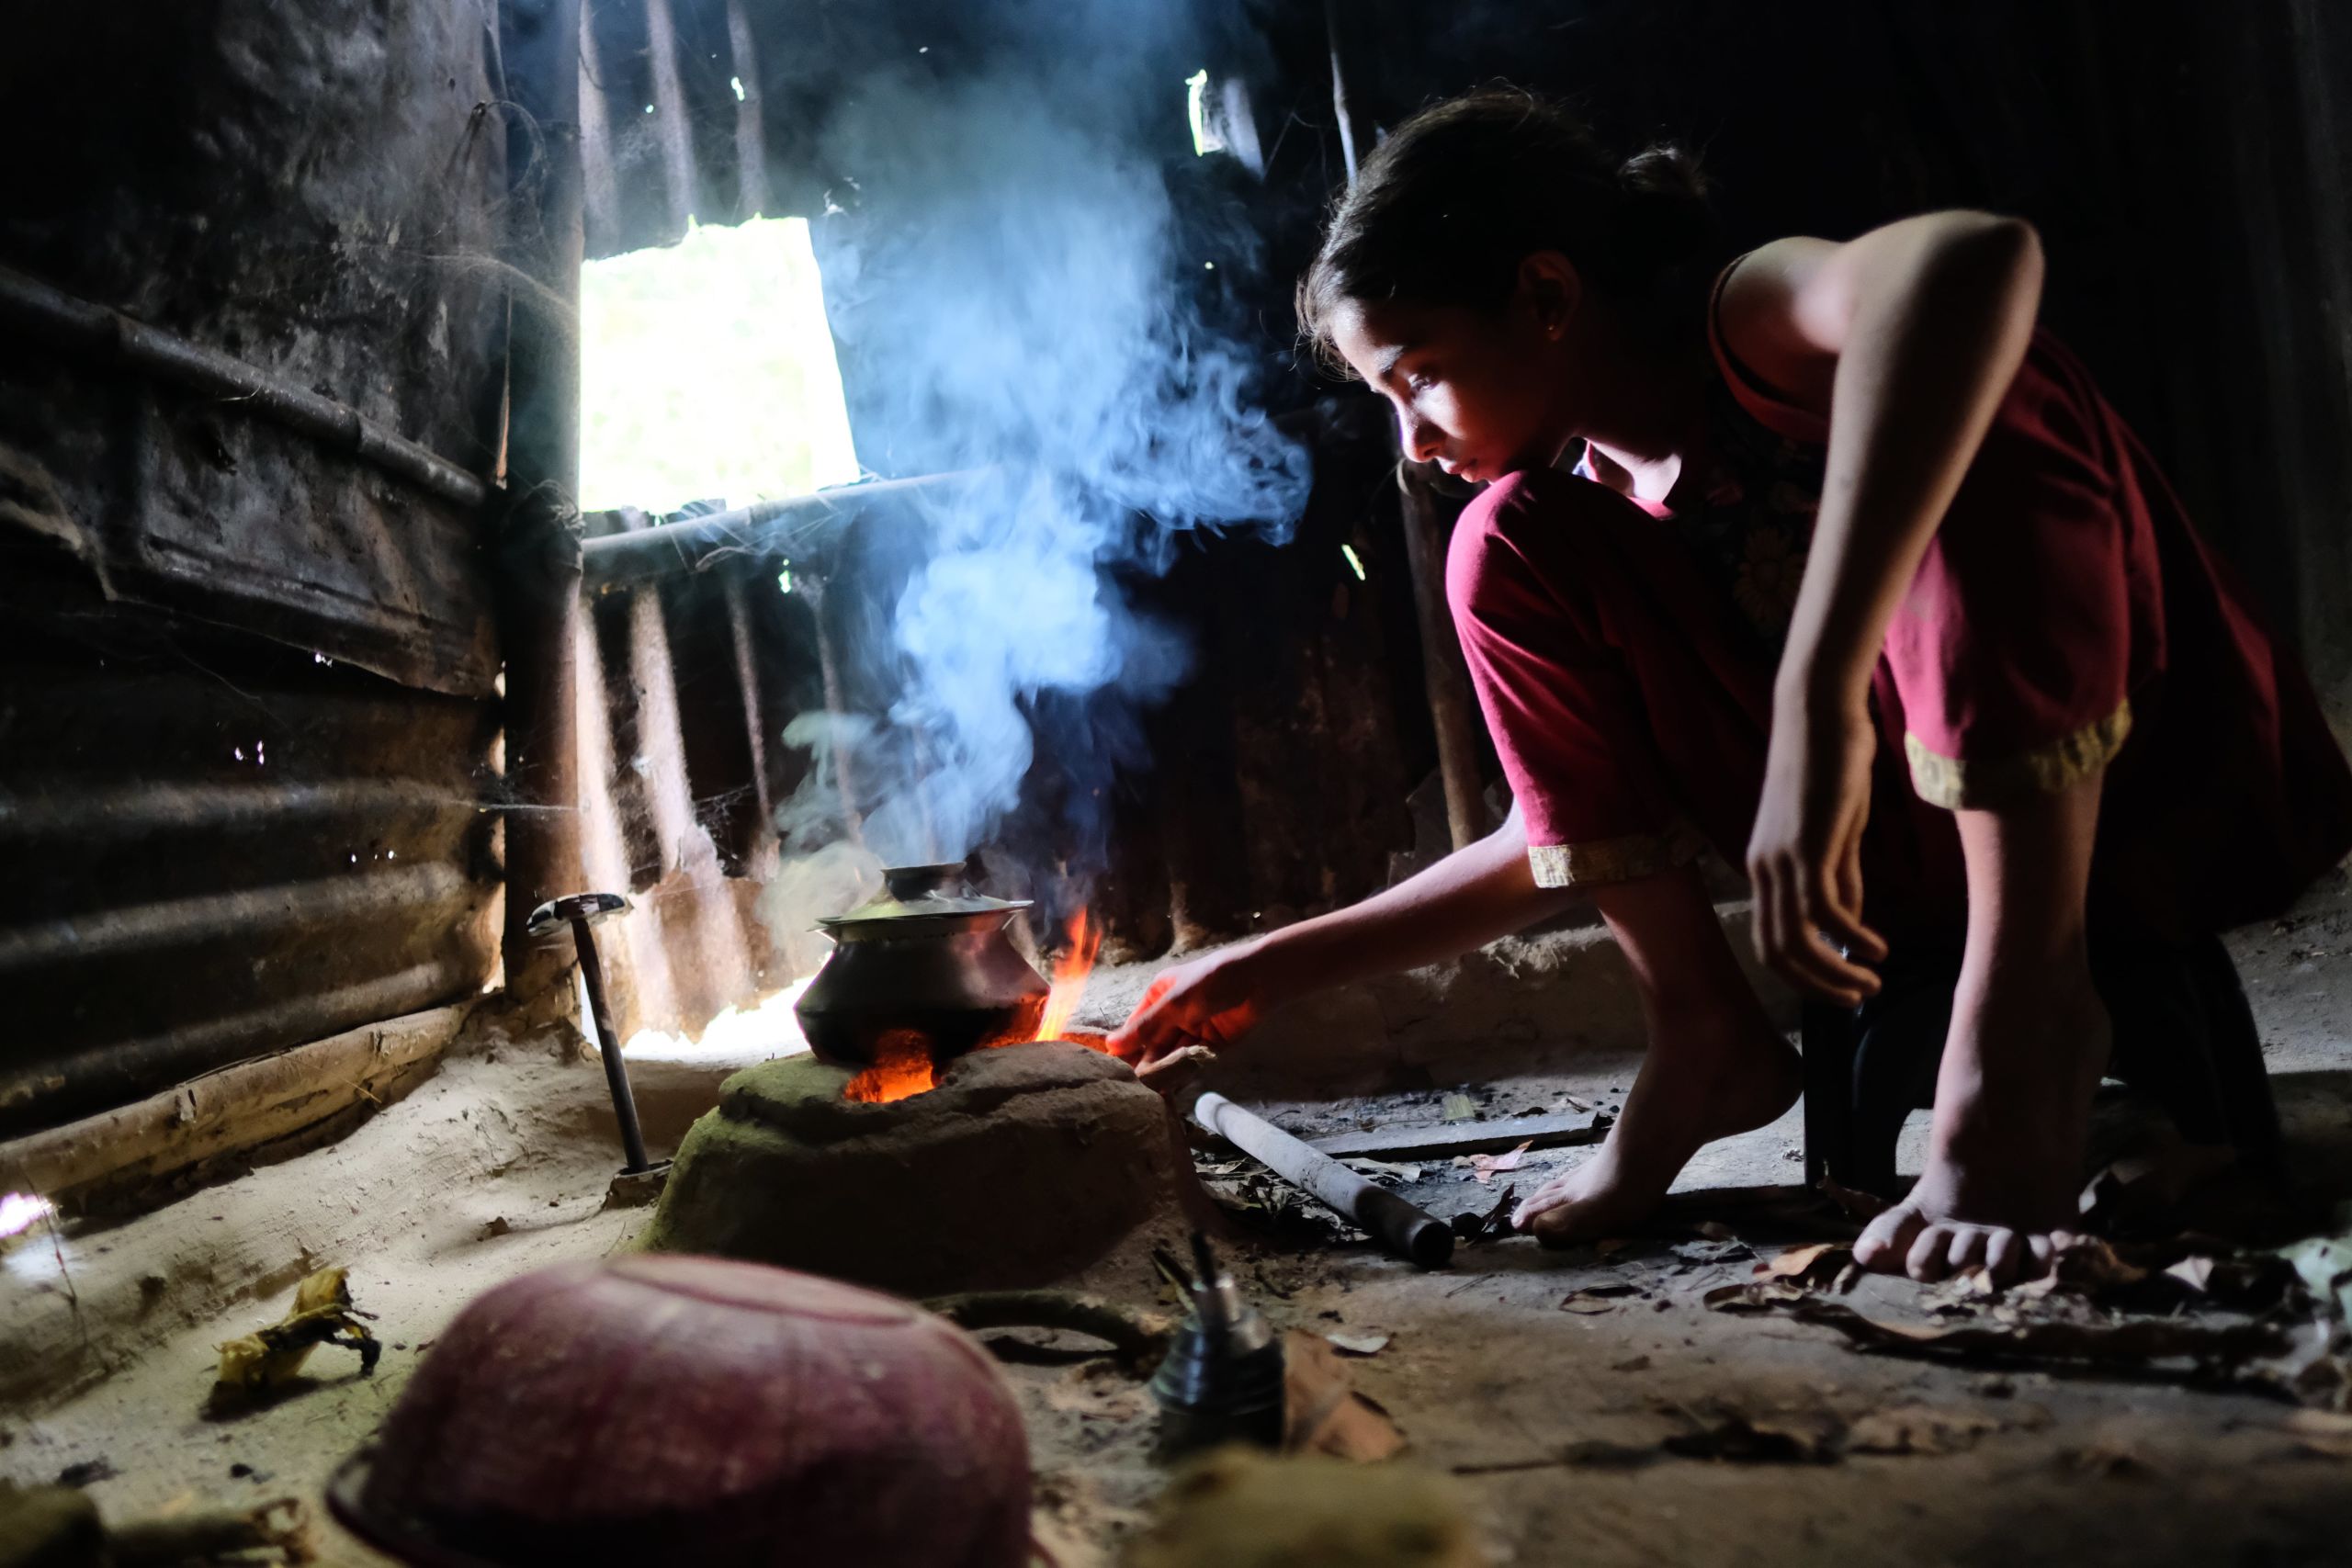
x=1582 y=1434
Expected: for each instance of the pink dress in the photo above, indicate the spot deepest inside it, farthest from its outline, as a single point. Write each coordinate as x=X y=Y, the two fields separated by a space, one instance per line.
x=2066 y=618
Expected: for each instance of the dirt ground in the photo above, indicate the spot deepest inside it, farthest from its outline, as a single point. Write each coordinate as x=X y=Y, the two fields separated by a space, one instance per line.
x=1575 y=1436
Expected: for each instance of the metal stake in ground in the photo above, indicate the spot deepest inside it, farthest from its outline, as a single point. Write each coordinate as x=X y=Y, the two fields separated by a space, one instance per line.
x=580 y=910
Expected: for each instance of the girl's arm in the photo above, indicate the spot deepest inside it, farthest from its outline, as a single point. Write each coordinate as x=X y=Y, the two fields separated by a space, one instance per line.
x=1472 y=896
x=1910 y=336
x=1476 y=895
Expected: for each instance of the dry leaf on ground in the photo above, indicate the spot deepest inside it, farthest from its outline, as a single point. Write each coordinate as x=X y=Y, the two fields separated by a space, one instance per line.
x=1322 y=1412
x=1961 y=1291
x=2327 y=1432
x=1484 y=1168
x=1594 y=1299
x=1818 y=1264
x=2086 y=1266
x=1360 y=1344
x=2132 y=1339
x=1762 y=1296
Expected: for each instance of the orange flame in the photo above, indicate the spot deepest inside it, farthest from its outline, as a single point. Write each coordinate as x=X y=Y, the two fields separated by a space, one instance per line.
x=901 y=1067
x=1069 y=978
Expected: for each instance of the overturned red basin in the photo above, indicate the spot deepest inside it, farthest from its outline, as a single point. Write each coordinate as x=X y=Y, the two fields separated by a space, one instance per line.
x=661 y=1410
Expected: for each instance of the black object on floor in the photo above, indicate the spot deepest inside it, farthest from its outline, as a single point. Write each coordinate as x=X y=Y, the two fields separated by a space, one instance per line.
x=1222 y=1381
x=2184 y=1035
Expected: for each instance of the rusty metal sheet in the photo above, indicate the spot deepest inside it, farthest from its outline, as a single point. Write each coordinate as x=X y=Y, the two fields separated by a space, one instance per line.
x=321 y=202
x=168 y=499
x=217 y=848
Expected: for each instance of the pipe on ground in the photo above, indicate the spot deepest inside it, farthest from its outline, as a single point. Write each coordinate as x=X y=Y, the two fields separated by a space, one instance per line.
x=1403 y=1229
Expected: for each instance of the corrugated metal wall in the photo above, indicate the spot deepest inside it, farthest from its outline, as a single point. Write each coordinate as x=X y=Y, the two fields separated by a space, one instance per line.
x=248 y=684
x=218 y=848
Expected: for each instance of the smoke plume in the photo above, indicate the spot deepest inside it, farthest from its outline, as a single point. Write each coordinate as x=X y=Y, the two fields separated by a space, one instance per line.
x=1000 y=269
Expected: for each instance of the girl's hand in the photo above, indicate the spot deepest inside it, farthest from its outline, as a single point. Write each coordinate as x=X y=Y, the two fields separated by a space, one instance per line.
x=1805 y=859
x=1212 y=1000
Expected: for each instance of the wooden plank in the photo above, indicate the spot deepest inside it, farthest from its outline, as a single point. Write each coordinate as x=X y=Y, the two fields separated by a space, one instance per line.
x=118 y=1159
x=1466 y=1137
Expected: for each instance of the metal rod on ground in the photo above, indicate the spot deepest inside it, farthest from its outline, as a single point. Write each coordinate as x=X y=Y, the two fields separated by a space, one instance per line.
x=1399 y=1227
x=608 y=1047
x=580 y=910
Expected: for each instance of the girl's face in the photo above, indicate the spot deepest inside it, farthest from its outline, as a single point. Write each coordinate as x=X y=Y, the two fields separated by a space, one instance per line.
x=1480 y=393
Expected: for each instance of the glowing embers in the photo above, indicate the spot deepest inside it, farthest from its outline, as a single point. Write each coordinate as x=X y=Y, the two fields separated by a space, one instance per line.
x=904 y=1065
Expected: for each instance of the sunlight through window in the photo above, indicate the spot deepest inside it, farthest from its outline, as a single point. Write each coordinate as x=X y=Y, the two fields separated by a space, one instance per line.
x=707 y=372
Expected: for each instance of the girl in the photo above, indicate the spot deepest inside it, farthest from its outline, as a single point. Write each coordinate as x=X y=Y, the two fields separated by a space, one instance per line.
x=1857 y=579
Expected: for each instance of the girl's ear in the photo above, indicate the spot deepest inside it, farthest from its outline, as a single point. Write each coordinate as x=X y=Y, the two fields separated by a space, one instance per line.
x=1548 y=292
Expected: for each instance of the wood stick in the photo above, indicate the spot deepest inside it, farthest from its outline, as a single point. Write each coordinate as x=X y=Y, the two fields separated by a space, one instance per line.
x=1465 y=1138
x=1403 y=1229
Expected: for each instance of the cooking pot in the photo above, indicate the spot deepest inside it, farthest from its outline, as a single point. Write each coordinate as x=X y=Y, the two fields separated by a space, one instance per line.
x=928 y=955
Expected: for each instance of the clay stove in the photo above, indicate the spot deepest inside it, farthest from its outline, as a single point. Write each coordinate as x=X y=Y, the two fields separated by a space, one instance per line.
x=931 y=1142
x=1025 y=1166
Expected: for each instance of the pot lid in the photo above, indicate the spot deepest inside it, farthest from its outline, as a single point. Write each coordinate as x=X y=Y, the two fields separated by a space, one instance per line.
x=923 y=892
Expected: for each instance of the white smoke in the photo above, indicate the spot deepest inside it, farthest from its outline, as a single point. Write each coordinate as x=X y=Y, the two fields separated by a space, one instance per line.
x=1008 y=261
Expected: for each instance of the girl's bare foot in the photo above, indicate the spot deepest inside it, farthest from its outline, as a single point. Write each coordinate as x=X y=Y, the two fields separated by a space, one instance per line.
x=2005 y=1160
x=1682 y=1098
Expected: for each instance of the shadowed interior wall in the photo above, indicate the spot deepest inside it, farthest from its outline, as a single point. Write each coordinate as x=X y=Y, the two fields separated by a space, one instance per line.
x=248 y=682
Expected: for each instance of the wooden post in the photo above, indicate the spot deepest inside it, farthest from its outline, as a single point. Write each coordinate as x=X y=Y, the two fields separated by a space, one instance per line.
x=538 y=554
x=1453 y=709
x=747 y=682
x=750 y=129
x=812 y=588
x=670 y=112
x=1354 y=135
x=601 y=187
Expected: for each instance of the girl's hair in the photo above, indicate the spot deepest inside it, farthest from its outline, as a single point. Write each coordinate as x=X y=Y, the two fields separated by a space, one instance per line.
x=1459 y=195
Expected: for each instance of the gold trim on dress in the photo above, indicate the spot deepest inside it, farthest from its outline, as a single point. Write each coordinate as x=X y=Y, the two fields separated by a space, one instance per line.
x=1599 y=862
x=1960 y=785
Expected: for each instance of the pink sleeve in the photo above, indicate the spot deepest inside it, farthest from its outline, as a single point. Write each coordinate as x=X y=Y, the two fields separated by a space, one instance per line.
x=1564 y=712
